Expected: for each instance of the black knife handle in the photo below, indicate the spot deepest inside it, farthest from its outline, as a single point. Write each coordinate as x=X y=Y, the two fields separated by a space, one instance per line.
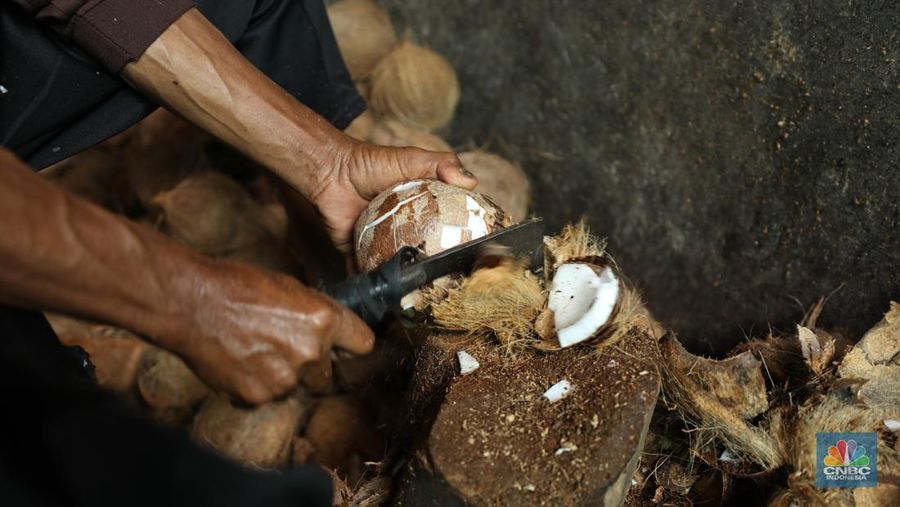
x=374 y=294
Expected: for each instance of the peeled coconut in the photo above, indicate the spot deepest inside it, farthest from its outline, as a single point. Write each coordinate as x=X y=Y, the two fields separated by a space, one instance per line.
x=427 y=214
x=501 y=180
x=213 y=214
x=415 y=85
x=258 y=436
x=364 y=34
x=391 y=132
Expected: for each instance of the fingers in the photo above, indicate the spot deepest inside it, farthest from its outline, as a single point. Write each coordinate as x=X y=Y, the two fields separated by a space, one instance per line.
x=450 y=170
x=351 y=333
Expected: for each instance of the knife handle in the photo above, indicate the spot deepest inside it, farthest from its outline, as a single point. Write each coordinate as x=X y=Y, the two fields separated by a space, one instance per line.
x=374 y=294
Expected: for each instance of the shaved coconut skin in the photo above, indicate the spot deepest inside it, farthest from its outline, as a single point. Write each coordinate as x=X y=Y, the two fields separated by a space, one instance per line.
x=582 y=298
x=467 y=363
x=426 y=214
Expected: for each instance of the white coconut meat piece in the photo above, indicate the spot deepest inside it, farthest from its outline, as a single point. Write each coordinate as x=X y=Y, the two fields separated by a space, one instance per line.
x=467 y=363
x=582 y=298
x=426 y=214
x=558 y=391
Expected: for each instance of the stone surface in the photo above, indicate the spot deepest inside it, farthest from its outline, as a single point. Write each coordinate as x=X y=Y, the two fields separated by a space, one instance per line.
x=737 y=154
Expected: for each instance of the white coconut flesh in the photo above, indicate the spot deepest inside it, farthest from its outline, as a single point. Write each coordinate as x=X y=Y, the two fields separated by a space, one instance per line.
x=582 y=298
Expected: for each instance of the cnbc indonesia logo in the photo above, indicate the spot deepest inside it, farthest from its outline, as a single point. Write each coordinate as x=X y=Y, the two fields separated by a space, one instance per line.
x=847 y=462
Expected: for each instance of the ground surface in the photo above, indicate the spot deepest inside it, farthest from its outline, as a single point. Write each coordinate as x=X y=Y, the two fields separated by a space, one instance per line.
x=737 y=154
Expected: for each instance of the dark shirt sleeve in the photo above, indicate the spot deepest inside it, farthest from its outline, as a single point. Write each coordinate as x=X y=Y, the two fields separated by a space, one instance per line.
x=114 y=32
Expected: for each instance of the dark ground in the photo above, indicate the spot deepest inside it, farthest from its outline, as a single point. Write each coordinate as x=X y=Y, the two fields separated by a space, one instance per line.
x=740 y=156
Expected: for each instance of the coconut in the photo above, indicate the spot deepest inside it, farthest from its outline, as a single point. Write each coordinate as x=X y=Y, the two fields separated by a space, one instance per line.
x=391 y=132
x=338 y=429
x=583 y=298
x=166 y=382
x=115 y=353
x=213 y=214
x=415 y=85
x=426 y=214
x=259 y=436
x=361 y=127
x=364 y=34
x=501 y=180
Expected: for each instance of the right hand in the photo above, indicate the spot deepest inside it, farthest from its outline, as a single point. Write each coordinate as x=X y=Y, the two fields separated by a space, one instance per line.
x=250 y=332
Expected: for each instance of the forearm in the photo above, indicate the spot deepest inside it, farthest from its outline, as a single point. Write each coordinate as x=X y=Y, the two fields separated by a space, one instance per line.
x=196 y=72
x=60 y=252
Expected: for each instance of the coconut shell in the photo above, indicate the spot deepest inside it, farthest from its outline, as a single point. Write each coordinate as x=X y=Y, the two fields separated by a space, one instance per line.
x=501 y=180
x=391 y=132
x=166 y=382
x=338 y=429
x=426 y=214
x=213 y=214
x=259 y=436
x=364 y=34
x=415 y=85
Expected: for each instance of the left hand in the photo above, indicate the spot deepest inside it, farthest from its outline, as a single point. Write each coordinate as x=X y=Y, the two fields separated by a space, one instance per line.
x=362 y=171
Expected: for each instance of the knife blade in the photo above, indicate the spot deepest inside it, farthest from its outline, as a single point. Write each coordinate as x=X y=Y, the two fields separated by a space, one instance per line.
x=373 y=295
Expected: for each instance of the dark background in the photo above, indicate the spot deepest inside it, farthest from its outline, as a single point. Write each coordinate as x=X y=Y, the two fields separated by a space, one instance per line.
x=741 y=157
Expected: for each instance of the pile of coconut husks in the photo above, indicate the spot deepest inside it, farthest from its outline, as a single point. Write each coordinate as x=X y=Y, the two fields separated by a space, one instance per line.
x=510 y=386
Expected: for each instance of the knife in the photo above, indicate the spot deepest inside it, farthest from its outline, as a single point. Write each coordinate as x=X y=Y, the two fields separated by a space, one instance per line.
x=374 y=294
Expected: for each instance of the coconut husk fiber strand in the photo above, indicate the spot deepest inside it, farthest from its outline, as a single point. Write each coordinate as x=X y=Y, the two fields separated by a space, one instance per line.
x=715 y=402
x=502 y=300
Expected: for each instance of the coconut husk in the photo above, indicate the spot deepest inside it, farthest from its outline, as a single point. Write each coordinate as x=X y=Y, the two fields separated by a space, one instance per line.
x=415 y=85
x=861 y=400
x=781 y=357
x=364 y=34
x=501 y=180
x=391 y=132
x=259 y=436
x=213 y=214
x=115 y=353
x=715 y=398
x=361 y=128
x=574 y=242
x=338 y=430
x=502 y=301
x=166 y=382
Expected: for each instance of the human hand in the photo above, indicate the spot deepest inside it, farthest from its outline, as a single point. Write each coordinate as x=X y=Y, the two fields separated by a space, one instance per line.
x=362 y=171
x=249 y=332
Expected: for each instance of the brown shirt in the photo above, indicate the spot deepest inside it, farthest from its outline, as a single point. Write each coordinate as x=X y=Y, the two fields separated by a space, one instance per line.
x=114 y=32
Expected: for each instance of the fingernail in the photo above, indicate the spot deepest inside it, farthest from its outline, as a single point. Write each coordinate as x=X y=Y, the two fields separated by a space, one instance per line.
x=465 y=172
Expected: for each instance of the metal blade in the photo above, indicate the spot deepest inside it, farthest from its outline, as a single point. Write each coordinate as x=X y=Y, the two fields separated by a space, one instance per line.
x=521 y=241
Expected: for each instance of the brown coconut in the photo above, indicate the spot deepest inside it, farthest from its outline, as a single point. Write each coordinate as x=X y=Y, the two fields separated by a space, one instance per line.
x=426 y=214
x=415 y=85
x=501 y=180
x=164 y=150
x=115 y=353
x=361 y=127
x=166 y=382
x=213 y=214
x=258 y=436
x=391 y=132
x=364 y=34
x=338 y=429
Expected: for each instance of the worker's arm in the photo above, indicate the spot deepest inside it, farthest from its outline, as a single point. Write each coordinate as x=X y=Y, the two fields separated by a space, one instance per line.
x=243 y=331
x=196 y=72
